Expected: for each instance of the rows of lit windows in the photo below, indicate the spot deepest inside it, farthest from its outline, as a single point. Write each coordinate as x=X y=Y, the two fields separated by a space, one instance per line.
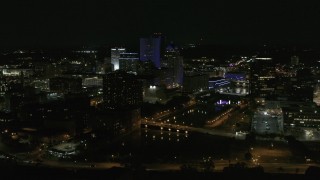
x=300 y=119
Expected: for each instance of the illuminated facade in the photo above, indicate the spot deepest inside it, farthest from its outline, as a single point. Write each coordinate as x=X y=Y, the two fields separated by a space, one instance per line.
x=172 y=60
x=92 y=82
x=17 y=72
x=43 y=85
x=235 y=76
x=128 y=62
x=150 y=49
x=302 y=116
x=115 y=55
x=262 y=79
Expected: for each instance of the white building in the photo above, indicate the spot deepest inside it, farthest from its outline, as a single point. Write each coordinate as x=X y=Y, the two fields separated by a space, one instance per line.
x=115 y=55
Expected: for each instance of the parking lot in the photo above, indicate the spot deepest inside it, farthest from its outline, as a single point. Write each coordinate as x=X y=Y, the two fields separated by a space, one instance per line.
x=265 y=123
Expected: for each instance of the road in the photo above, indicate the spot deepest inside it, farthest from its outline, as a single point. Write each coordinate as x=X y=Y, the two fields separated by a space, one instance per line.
x=80 y=165
x=280 y=167
x=219 y=165
x=221 y=119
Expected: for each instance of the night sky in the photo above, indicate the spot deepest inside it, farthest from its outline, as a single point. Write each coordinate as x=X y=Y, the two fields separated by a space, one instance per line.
x=68 y=23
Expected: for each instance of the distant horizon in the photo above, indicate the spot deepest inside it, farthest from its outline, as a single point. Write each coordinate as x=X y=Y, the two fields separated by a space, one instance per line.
x=180 y=45
x=92 y=23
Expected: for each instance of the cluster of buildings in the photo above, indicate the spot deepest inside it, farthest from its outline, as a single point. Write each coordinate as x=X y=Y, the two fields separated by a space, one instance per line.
x=78 y=92
x=84 y=91
x=290 y=88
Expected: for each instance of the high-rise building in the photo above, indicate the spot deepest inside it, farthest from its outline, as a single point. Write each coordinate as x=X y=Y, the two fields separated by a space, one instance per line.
x=115 y=55
x=128 y=62
x=121 y=89
x=262 y=79
x=303 y=87
x=173 y=61
x=150 y=49
x=163 y=44
x=170 y=54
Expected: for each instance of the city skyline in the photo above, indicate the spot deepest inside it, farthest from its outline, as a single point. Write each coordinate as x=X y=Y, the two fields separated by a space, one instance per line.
x=94 y=23
x=149 y=89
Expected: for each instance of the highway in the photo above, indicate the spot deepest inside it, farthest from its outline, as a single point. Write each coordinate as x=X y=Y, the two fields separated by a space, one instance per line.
x=219 y=165
x=279 y=167
x=221 y=119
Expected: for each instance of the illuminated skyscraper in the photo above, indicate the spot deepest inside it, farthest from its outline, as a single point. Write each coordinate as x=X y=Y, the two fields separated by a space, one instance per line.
x=115 y=55
x=150 y=49
x=173 y=61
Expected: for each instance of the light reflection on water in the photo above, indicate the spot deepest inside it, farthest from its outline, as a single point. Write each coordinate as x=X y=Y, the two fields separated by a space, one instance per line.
x=148 y=135
x=165 y=145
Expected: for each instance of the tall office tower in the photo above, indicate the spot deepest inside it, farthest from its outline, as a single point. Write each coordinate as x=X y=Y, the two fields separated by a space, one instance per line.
x=170 y=55
x=262 y=78
x=303 y=88
x=121 y=89
x=150 y=49
x=172 y=60
x=128 y=62
x=178 y=70
x=115 y=55
x=163 y=40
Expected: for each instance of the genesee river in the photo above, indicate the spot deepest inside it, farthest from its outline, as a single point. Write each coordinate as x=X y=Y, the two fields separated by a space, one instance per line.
x=164 y=146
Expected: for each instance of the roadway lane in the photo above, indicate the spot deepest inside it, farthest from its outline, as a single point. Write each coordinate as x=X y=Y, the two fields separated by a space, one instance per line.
x=292 y=168
x=280 y=167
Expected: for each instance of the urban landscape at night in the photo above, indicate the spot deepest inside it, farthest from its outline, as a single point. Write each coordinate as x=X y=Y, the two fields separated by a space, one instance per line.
x=165 y=90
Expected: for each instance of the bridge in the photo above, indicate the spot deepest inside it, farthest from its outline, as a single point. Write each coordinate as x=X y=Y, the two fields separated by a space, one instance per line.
x=183 y=129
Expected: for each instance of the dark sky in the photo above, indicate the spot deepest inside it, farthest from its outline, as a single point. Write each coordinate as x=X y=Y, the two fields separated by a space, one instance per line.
x=65 y=23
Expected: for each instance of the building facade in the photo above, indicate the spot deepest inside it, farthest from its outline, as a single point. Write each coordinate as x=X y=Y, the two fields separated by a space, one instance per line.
x=195 y=83
x=115 y=55
x=150 y=49
x=121 y=89
x=128 y=62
